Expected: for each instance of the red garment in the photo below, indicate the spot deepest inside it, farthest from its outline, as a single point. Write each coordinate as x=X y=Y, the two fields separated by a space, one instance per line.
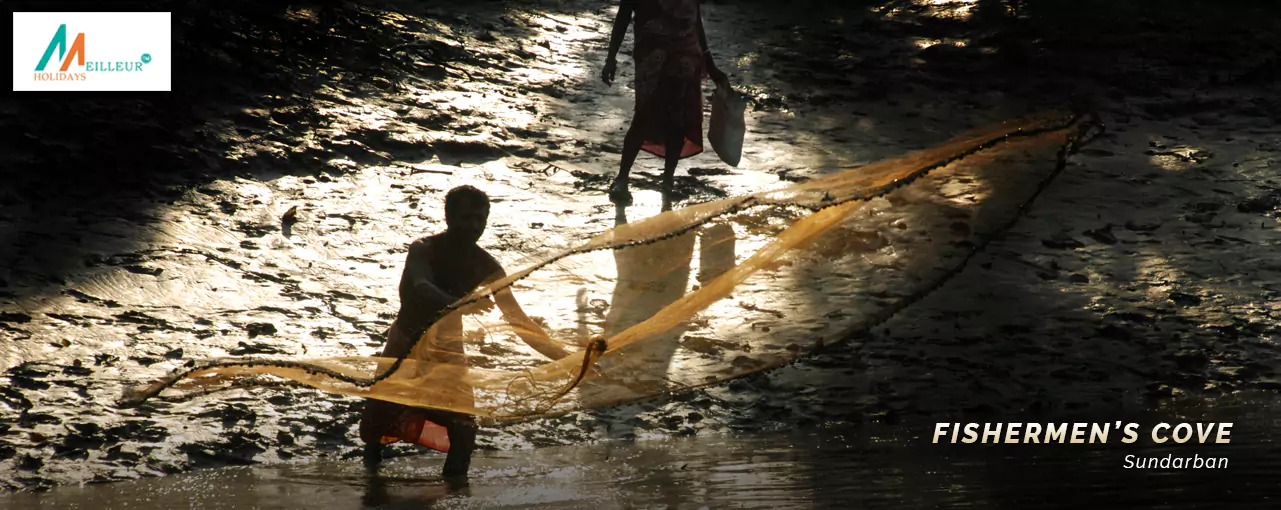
x=414 y=427
x=384 y=422
x=669 y=73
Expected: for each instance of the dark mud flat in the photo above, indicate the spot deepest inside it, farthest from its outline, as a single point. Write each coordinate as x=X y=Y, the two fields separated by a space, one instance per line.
x=143 y=233
x=875 y=466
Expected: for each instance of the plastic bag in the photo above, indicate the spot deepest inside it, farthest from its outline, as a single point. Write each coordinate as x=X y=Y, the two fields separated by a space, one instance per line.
x=727 y=126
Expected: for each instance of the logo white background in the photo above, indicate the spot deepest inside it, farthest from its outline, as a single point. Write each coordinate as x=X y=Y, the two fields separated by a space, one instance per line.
x=109 y=37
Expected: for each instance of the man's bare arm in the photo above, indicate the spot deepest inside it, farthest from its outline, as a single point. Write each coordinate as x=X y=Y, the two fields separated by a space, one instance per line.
x=528 y=330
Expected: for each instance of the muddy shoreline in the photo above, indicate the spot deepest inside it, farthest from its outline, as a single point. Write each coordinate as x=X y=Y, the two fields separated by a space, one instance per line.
x=144 y=233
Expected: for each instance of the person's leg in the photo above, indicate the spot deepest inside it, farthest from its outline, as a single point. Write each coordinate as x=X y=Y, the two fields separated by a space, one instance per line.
x=675 y=142
x=378 y=415
x=462 y=441
x=370 y=419
x=632 y=142
x=373 y=456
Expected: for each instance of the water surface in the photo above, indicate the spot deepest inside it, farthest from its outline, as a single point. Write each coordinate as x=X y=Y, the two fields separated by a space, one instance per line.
x=870 y=466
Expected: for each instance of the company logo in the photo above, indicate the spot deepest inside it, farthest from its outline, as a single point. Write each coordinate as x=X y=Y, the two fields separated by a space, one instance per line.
x=91 y=51
x=59 y=43
x=77 y=52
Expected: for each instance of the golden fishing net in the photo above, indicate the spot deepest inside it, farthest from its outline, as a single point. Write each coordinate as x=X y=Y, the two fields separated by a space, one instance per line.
x=703 y=294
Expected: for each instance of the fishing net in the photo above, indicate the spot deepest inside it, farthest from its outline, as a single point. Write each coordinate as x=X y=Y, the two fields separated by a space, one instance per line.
x=699 y=295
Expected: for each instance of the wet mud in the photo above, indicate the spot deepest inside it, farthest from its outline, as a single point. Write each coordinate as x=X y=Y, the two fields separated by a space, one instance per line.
x=263 y=208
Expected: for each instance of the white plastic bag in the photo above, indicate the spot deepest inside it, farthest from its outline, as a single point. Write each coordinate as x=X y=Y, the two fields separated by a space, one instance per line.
x=727 y=126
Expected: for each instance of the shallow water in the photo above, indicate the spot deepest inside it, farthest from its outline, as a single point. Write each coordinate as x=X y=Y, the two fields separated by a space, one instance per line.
x=836 y=467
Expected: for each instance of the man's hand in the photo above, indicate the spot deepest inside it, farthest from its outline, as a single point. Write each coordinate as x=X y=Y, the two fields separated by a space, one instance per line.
x=717 y=76
x=477 y=308
x=611 y=67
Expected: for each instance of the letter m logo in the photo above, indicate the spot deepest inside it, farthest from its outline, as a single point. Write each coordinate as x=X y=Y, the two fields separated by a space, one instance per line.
x=59 y=43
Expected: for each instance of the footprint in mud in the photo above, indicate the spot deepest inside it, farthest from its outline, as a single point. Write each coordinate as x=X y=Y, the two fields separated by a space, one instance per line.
x=238 y=449
x=15 y=317
x=1184 y=299
x=1103 y=235
x=145 y=431
x=145 y=361
x=136 y=317
x=1062 y=242
x=77 y=369
x=231 y=414
x=153 y=271
x=28 y=420
x=1267 y=203
x=30 y=463
x=457 y=153
x=244 y=349
x=255 y=230
x=256 y=329
x=84 y=438
x=118 y=453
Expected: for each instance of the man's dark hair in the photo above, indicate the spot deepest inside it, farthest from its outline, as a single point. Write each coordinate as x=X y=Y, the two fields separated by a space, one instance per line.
x=465 y=194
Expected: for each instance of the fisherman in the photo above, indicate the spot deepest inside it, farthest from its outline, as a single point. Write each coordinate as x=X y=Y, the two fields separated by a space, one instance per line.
x=440 y=270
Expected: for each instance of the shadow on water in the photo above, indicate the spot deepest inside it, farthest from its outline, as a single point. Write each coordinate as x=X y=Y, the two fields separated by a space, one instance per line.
x=649 y=278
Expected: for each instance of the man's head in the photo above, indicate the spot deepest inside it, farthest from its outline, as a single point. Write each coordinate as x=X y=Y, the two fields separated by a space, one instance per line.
x=466 y=212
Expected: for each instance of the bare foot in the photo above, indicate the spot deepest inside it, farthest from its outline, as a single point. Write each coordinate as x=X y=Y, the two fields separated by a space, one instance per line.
x=668 y=184
x=619 y=194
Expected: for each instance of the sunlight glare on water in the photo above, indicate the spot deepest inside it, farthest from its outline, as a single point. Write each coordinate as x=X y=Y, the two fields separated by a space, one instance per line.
x=959 y=10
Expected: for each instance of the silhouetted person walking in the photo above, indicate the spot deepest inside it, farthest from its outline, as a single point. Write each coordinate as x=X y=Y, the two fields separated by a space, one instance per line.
x=671 y=58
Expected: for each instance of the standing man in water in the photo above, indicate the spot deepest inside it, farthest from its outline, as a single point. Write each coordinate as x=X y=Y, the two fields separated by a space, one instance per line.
x=671 y=57
x=440 y=270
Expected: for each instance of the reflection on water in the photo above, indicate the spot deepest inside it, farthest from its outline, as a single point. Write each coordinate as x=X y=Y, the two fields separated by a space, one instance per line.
x=650 y=277
x=835 y=467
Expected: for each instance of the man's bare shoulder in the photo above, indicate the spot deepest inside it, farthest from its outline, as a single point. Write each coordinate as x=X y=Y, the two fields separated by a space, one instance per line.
x=423 y=244
x=491 y=263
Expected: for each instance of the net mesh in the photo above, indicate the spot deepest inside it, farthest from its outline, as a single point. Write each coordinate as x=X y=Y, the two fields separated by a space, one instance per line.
x=698 y=295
